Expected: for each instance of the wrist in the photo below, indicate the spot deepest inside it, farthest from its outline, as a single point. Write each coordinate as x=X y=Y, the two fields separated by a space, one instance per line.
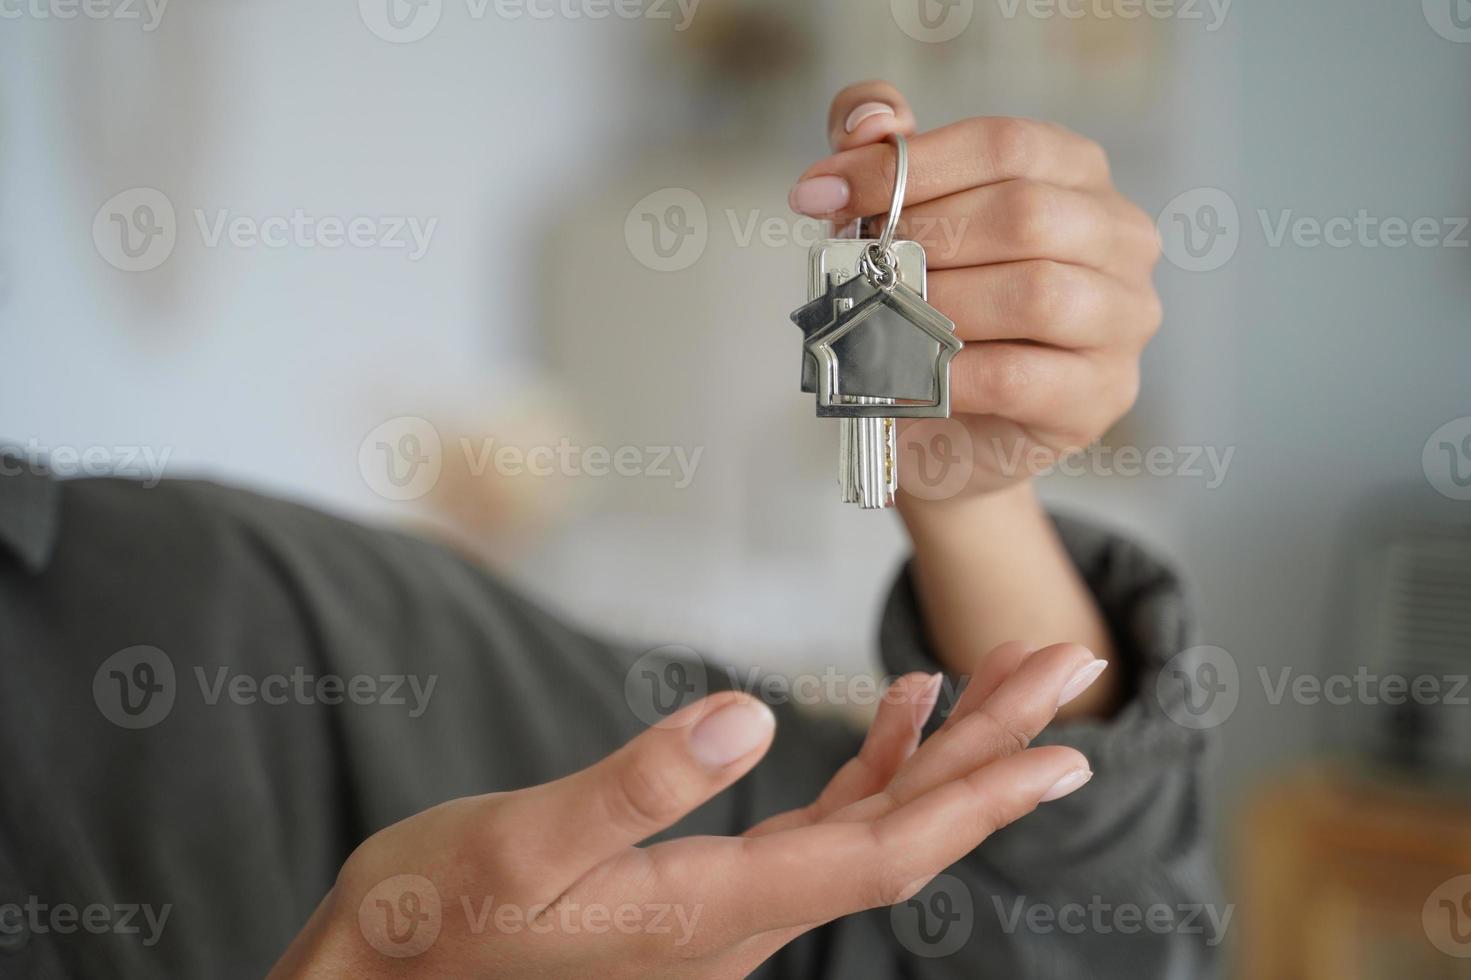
x=955 y=522
x=990 y=568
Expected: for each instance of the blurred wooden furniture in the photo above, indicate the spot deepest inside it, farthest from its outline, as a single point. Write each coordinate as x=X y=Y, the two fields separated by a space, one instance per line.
x=1343 y=878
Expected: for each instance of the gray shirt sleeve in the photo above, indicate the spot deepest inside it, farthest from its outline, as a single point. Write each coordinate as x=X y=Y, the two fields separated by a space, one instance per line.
x=234 y=810
x=1115 y=880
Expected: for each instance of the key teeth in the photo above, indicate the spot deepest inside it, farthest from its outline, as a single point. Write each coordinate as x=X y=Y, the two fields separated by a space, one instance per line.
x=866 y=460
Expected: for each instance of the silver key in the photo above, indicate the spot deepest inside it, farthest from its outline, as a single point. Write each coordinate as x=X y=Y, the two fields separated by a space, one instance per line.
x=868 y=473
x=874 y=350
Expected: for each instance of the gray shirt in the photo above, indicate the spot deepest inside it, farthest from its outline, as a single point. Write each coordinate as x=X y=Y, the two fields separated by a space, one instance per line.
x=210 y=697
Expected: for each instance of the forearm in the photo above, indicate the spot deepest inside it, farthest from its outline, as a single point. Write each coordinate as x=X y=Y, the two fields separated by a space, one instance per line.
x=991 y=568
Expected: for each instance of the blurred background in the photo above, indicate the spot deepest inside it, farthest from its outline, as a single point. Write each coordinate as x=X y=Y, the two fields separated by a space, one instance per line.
x=348 y=252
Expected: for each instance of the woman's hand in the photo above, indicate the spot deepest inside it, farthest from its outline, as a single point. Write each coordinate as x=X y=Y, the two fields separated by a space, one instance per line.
x=1044 y=267
x=549 y=881
x=1045 y=270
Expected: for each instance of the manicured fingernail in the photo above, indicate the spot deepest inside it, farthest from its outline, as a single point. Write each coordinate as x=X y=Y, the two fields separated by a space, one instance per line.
x=1067 y=784
x=819 y=196
x=1080 y=682
x=730 y=733
x=924 y=701
x=865 y=111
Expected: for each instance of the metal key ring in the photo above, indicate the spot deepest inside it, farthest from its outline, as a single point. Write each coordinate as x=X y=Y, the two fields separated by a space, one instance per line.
x=896 y=204
x=878 y=263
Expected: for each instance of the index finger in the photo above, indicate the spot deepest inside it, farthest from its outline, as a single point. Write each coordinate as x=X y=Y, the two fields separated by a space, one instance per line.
x=811 y=875
x=951 y=159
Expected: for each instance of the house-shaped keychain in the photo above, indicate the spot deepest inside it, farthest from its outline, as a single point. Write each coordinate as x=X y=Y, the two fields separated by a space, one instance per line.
x=861 y=340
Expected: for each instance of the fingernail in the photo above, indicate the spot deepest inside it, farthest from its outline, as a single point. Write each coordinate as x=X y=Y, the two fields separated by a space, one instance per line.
x=865 y=111
x=819 y=196
x=727 y=735
x=1080 y=682
x=925 y=700
x=1067 y=784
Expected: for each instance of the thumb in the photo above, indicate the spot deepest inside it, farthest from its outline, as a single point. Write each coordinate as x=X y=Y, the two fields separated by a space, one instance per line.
x=867 y=113
x=649 y=783
x=860 y=115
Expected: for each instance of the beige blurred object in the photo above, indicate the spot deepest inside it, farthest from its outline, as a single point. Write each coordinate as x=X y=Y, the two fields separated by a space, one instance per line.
x=499 y=507
x=1340 y=877
x=1127 y=55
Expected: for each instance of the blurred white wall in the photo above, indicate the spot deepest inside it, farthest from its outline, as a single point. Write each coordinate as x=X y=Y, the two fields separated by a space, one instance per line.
x=1345 y=360
x=269 y=364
